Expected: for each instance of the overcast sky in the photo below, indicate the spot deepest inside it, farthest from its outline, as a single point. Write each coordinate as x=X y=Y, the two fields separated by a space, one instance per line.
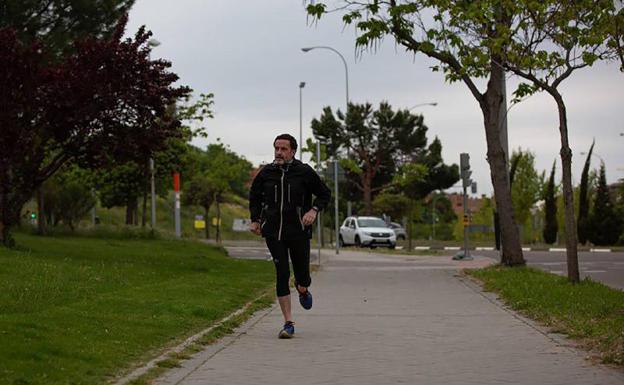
x=248 y=54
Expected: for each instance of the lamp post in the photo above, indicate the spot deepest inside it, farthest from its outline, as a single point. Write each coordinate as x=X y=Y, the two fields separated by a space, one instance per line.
x=594 y=154
x=301 y=85
x=307 y=49
x=432 y=104
x=152 y=43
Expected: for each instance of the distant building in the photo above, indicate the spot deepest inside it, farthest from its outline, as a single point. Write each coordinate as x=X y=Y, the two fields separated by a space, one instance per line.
x=457 y=201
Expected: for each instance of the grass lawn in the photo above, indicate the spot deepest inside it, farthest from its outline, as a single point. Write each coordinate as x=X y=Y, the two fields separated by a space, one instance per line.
x=77 y=310
x=589 y=312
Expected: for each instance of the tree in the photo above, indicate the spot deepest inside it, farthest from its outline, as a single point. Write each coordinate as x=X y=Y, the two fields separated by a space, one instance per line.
x=57 y=23
x=437 y=29
x=550 y=209
x=218 y=172
x=200 y=191
x=583 y=214
x=375 y=138
x=68 y=196
x=525 y=186
x=551 y=40
x=100 y=103
x=393 y=204
x=382 y=143
x=605 y=224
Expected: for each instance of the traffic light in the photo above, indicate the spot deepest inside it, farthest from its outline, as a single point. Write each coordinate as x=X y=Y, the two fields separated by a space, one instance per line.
x=464 y=166
x=33 y=216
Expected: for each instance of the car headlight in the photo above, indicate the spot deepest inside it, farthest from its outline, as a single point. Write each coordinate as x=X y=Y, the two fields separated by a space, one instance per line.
x=367 y=233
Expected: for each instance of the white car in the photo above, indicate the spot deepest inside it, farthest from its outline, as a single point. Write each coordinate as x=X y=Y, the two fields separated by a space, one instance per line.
x=366 y=231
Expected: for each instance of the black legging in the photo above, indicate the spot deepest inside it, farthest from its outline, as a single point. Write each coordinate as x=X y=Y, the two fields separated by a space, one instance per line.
x=299 y=251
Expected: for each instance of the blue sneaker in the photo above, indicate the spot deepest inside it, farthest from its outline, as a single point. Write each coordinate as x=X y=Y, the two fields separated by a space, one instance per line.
x=305 y=299
x=288 y=331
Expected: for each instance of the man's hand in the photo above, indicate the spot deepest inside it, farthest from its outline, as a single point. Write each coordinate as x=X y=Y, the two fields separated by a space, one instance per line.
x=309 y=217
x=255 y=228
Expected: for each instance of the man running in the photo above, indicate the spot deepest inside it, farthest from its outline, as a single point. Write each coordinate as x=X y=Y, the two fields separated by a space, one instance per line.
x=282 y=211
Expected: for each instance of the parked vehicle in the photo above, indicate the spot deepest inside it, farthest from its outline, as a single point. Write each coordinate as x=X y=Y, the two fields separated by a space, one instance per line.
x=399 y=231
x=366 y=231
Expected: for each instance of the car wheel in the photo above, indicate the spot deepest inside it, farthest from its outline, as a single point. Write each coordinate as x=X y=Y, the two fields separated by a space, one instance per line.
x=358 y=243
x=341 y=242
x=401 y=237
x=393 y=246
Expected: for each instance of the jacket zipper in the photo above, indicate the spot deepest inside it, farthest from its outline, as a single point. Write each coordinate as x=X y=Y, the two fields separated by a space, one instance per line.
x=288 y=192
x=275 y=193
x=279 y=235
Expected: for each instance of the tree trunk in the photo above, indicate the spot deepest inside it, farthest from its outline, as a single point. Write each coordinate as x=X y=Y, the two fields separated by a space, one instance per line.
x=491 y=108
x=41 y=222
x=218 y=237
x=207 y=228
x=368 y=195
x=410 y=224
x=129 y=215
x=568 y=195
x=144 y=213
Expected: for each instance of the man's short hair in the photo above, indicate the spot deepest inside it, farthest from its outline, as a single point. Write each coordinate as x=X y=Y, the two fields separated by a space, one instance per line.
x=289 y=138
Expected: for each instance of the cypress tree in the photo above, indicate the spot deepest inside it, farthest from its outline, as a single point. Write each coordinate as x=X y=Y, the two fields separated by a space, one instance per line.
x=604 y=222
x=583 y=221
x=550 y=210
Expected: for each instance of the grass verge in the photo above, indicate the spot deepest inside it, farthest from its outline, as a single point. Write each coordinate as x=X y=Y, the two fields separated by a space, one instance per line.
x=174 y=359
x=80 y=310
x=589 y=312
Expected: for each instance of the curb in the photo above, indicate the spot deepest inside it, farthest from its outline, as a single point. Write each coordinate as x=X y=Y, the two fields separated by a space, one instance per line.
x=153 y=363
x=483 y=248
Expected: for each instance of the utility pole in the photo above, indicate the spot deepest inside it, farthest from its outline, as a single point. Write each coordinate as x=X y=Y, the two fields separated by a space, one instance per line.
x=464 y=165
x=176 y=189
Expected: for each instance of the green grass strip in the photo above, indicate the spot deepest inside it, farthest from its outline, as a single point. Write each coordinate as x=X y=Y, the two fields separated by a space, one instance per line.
x=589 y=312
x=83 y=310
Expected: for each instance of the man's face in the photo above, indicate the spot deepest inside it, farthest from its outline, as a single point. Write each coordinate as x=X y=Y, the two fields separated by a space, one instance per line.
x=283 y=152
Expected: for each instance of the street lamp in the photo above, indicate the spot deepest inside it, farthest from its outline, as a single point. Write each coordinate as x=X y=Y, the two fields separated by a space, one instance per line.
x=433 y=104
x=301 y=85
x=594 y=154
x=307 y=49
x=152 y=43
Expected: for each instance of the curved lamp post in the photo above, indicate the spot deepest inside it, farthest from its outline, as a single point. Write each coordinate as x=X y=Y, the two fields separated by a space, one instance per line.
x=308 y=49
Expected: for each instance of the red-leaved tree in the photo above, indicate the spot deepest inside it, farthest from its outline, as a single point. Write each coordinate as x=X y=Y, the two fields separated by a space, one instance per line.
x=105 y=100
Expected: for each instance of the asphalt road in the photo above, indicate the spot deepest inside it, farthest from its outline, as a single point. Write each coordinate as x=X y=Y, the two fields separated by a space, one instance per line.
x=607 y=268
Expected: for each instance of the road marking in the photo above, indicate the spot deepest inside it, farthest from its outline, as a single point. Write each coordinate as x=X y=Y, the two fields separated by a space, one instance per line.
x=526 y=249
x=550 y=263
x=556 y=249
x=484 y=248
x=593 y=271
x=600 y=250
x=452 y=248
x=422 y=248
x=558 y=272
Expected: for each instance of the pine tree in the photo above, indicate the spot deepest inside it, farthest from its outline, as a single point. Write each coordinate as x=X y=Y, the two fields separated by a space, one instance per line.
x=583 y=224
x=550 y=210
x=604 y=222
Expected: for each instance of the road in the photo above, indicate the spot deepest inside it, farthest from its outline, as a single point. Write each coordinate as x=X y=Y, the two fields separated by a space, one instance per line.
x=607 y=268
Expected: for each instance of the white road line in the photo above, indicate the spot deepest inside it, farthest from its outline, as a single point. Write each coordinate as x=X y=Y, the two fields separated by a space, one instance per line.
x=593 y=271
x=551 y=263
x=484 y=248
x=422 y=248
x=452 y=248
x=600 y=250
x=556 y=249
x=526 y=249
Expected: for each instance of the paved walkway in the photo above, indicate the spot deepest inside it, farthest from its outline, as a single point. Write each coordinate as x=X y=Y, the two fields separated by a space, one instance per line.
x=380 y=319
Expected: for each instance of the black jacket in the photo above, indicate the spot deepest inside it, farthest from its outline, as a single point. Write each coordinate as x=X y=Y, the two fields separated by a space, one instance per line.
x=281 y=195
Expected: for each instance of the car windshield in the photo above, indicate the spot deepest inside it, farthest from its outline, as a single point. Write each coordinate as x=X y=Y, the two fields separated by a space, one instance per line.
x=371 y=222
